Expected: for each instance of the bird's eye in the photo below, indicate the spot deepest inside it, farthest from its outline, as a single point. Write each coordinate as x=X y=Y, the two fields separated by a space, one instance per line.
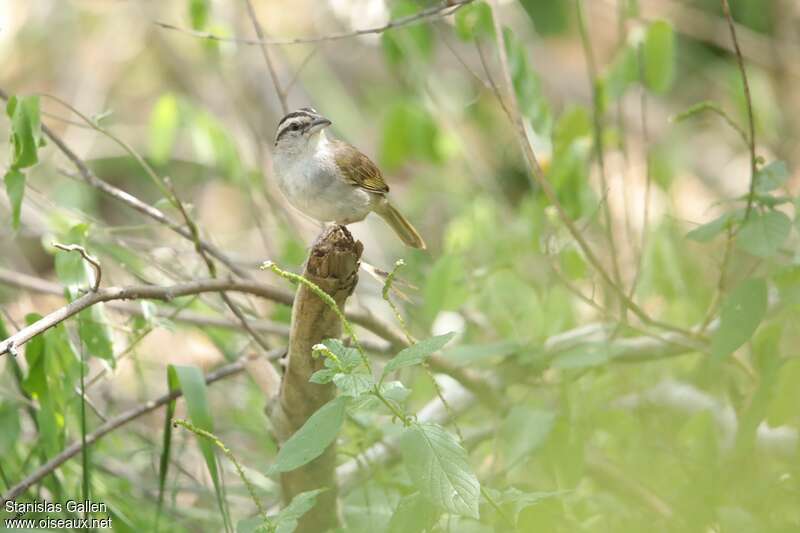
x=294 y=127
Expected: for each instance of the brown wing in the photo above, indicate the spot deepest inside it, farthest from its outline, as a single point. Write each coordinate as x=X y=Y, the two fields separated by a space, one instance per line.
x=358 y=169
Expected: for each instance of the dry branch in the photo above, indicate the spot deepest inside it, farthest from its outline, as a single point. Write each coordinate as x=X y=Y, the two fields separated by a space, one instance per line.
x=332 y=266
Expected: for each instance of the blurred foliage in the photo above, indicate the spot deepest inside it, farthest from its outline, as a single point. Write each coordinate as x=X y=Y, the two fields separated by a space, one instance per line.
x=607 y=423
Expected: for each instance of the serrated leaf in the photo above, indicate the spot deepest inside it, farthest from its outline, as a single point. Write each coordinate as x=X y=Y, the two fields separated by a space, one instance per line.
x=771 y=177
x=354 y=384
x=417 y=353
x=414 y=514
x=15 y=189
x=659 y=56
x=322 y=376
x=349 y=358
x=741 y=313
x=764 y=233
x=709 y=230
x=474 y=21
x=439 y=468
x=308 y=443
x=286 y=520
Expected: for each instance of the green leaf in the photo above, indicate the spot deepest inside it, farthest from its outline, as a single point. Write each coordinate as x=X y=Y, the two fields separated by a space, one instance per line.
x=439 y=467
x=474 y=21
x=308 y=443
x=523 y=431
x=9 y=421
x=353 y=384
x=95 y=333
x=26 y=130
x=527 y=86
x=786 y=397
x=764 y=233
x=548 y=16
x=417 y=353
x=349 y=358
x=164 y=122
x=323 y=376
x=193 y=385
x=446 y=286
x=414 y=514
x=742 y=312
x=709 y=230
x=198 y=13
x=409 y=132
x=659 y=56
x=15 y=188
x=771 y=177
x=286 y=520
x=408 y=42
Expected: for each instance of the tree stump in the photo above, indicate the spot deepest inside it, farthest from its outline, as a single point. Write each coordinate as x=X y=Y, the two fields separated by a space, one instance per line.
x=333 y=266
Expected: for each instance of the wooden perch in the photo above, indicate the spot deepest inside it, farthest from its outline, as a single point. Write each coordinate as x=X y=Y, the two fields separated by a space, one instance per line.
x=333 y=266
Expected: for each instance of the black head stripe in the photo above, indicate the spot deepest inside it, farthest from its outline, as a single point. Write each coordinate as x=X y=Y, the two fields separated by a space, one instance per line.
x=289 y=122
x=302 y=112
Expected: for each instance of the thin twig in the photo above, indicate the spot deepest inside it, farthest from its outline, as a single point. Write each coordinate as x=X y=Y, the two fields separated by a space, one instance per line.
x=648 y=171
x=597 y=120
x=442 y=10
x=751 y=123
x=538 y=178
x=92 y=260
x=200 y=432
x=267 y=59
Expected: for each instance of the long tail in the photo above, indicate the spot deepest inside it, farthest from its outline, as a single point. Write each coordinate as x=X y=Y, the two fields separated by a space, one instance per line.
x=400 y=225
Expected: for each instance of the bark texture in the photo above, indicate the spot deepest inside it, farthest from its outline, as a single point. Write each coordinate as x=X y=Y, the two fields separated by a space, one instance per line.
x=333 y=266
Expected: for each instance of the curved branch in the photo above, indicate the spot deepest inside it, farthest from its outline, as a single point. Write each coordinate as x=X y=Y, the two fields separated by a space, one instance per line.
x=442 y=10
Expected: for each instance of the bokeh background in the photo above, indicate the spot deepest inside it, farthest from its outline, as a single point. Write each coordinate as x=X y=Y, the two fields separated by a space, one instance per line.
x=682 y=438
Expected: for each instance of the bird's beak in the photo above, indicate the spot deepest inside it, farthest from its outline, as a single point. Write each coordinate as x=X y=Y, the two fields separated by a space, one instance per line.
x=318 y=124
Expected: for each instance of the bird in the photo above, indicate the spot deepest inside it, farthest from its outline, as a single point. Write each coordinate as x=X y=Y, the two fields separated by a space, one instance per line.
x=331 y=180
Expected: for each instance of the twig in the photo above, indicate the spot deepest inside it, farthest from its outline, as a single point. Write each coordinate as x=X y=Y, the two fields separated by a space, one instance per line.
x=444 y=9
x=714 y=108
x=263 y=45
x=597 y=121
x=538 y=178
x=648 y=173
x=92 y=260
x=751 y=123
x=229 y=454
x=116 y=422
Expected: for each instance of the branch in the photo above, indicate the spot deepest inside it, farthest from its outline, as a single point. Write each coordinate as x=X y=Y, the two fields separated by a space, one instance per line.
x=92 y=260
x=332 y=268
x=749 y=104
x=118 y=421
x=139 y=292
x=538 y=178
x=32 y=283
x=442 y=10
x=272 y=74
